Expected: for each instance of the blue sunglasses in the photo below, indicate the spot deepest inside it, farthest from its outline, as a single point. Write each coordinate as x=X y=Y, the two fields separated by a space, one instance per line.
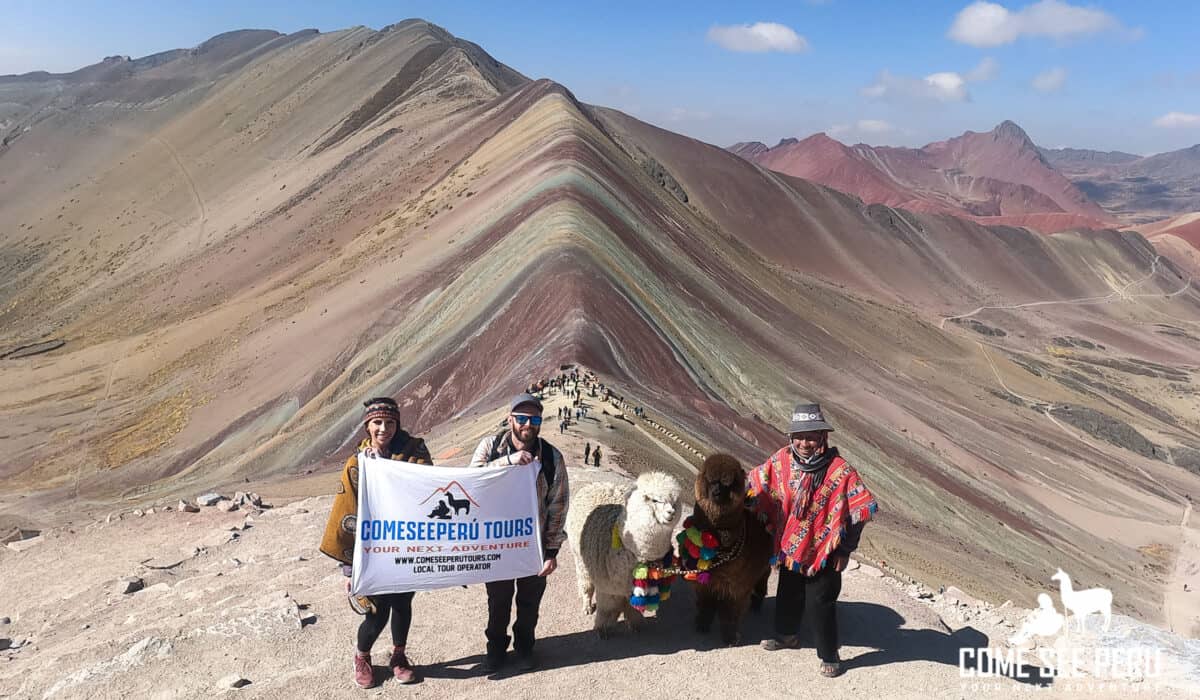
x=532 y=420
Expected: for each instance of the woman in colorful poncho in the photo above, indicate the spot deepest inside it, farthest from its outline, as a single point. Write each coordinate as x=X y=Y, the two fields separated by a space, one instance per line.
x=381 y=421
x=815 y=505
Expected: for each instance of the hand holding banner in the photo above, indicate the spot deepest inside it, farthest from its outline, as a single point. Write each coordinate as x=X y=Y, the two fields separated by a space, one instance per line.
x=422 y=527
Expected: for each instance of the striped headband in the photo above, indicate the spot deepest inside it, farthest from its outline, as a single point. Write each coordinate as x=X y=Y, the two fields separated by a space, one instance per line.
x=380 y=409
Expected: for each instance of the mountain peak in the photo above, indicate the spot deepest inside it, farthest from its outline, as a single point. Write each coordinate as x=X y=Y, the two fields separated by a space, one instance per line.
x=820 y=137
x=1010 y=131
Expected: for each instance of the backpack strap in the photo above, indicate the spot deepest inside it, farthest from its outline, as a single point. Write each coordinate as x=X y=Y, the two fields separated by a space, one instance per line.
x=548 y=465
x=496 y=443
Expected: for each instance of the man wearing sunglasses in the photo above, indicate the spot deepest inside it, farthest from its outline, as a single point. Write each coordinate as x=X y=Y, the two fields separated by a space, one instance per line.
x=520 y=443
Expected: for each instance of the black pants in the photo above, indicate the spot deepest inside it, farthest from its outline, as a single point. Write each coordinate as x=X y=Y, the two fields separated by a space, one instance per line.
x=529 y=591
x=820 y=593
x=399 y=606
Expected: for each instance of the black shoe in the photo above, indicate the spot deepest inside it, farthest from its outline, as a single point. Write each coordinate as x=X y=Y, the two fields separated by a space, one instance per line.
x=492 y=663
x=526 y=662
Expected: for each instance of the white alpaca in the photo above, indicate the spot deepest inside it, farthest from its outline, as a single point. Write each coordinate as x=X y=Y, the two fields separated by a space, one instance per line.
x=1043 y=622
x=644 y=519
x=1083 y=603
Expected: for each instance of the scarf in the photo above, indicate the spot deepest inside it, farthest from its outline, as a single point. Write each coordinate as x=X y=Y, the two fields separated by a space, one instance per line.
x=808 y=519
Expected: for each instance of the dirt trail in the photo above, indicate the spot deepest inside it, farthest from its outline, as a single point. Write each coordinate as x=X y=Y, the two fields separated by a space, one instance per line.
x=1118 y=294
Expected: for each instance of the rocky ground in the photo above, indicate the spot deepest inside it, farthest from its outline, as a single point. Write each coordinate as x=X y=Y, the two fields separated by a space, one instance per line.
x=165 y=603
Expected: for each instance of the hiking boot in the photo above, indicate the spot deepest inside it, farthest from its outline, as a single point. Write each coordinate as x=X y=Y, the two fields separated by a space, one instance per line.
x=401 y=669
x=492 y=663
x=364 y=675
x=790 y=641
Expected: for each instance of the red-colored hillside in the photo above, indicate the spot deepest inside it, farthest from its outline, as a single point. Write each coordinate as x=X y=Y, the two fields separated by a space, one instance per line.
x=995 y=177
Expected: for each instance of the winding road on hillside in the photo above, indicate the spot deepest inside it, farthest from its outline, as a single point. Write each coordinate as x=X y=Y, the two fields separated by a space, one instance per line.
x=1121 y=294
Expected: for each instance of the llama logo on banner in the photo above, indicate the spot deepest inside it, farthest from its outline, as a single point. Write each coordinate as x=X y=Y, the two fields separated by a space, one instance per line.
x=447 y=505
x=422 y=527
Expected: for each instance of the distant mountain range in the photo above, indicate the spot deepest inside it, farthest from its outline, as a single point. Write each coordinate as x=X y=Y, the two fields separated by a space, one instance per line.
x=997 y=177
x=1134 y=188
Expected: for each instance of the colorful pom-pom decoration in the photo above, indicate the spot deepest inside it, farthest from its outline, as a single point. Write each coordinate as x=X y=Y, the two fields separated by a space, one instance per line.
x=651 y=585
x=697 y=552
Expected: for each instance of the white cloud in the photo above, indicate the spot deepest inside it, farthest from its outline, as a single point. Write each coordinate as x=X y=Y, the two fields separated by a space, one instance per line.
x=870 y=127
x=986 y=70
x=1176 y=120
x=874 y=126
x=759 y=37
x=1050 y=80
x=948 y=86
x=937 y=87
x=986 y=24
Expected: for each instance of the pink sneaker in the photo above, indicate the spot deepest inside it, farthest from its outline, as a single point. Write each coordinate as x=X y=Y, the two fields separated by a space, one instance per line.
x=364 y=675
x=401 y=669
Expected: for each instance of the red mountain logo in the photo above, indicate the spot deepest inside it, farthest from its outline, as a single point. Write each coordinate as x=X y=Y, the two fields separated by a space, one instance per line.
x=448 y=504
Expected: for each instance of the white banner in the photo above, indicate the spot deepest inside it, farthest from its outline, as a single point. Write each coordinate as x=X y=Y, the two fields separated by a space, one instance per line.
x=422 y=527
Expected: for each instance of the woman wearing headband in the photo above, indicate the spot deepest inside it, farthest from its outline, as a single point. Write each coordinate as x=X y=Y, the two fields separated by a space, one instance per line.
x=384 y=438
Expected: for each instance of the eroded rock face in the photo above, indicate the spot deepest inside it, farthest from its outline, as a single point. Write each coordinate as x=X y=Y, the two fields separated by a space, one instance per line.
x=1186 y=457
x=127 y=585
x=1105 y=427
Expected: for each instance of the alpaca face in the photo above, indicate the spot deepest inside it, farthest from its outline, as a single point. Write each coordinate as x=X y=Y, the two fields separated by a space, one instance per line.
x=663 y=511
x=723 y=485
x=657 y=494
x=659 y=509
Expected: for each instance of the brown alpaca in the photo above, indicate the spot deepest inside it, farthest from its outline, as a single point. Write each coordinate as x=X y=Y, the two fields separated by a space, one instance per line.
x=720 y=508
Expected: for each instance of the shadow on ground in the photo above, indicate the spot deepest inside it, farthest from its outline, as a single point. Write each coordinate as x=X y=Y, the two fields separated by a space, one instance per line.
x=877 y=627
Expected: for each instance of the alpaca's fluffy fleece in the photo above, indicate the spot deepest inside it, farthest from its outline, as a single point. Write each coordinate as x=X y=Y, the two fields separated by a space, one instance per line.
x=645 y=518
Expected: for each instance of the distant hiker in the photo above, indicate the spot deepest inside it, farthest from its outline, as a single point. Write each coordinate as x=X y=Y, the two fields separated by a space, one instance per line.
x=815 y=505
x=520 y=444
x=587 y=452
x=596 y=456
x=381 y=421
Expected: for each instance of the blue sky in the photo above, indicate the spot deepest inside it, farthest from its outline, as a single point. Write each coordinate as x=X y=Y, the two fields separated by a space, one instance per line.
x=1106 y=75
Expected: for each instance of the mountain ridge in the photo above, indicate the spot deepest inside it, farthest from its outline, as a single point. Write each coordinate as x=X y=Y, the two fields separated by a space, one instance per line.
x=999 y=173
